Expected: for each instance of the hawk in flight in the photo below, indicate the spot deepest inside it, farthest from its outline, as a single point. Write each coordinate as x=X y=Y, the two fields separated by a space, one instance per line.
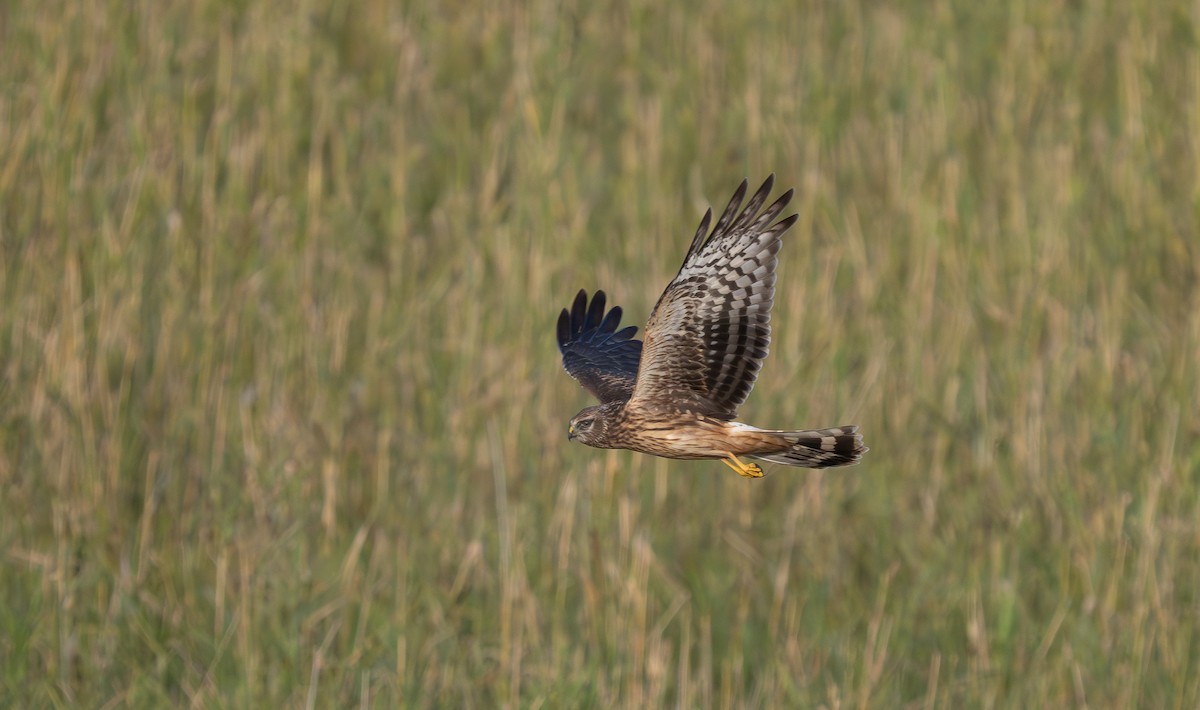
x=676 y=394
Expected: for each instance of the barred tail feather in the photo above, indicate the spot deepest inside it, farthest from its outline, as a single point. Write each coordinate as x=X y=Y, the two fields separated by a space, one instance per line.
x=817 y=448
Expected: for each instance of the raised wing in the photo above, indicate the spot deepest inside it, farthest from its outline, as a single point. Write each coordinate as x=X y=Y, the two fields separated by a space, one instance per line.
x=603 y=359
x=710 y=330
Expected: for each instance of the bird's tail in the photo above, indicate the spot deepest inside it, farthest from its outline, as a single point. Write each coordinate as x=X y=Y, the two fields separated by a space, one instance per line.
x=816 y=448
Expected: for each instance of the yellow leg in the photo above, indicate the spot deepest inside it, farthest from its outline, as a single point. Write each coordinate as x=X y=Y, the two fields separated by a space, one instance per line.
x=747 y=470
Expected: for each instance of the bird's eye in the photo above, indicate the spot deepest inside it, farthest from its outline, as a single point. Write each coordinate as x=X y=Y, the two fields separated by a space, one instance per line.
x=586 y=423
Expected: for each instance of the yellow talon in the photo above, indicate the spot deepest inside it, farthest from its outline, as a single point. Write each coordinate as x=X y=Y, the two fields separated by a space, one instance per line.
x=746 y=470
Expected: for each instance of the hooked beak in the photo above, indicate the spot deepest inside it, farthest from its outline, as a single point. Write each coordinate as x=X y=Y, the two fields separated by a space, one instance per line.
x=571 y=433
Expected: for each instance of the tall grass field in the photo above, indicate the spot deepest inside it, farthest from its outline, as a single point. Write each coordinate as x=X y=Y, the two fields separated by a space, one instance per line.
x=283 y=422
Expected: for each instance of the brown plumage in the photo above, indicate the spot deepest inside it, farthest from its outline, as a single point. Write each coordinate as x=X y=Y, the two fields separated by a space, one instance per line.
x=676 y=395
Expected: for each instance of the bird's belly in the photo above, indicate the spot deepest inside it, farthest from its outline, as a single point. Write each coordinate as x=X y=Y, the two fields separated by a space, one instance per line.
x=686 y=439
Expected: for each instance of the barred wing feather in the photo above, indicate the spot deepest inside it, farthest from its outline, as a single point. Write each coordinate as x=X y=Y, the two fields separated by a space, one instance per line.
x=710 y=330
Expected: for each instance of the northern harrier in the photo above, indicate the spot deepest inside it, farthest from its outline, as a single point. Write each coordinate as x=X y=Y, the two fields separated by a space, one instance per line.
x=677 y=394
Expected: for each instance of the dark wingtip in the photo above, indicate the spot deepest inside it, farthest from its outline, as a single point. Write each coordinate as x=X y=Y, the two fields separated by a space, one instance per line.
x=611 y=320
x=701 y=233
x=731 y=210
x=587 y=319
x=765 y=189
x=595 y=312
x=740 y=193
x=564 y=329
x=785 y=224
x=578 y=311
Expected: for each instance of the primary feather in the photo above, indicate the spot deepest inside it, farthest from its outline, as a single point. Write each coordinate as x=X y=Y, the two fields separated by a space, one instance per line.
x=603 y=359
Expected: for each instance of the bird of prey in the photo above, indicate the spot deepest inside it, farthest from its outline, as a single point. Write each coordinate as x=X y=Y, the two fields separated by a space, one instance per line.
x=677 y=394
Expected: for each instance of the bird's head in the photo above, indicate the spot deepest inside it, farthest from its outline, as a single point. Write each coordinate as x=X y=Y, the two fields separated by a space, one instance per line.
x=591 y=425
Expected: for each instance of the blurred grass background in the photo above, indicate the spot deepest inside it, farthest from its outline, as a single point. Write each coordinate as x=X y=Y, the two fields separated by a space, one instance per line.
x=282 y=420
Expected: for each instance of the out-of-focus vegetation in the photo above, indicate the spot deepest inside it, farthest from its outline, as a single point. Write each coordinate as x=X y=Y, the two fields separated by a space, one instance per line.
x=282 y=420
